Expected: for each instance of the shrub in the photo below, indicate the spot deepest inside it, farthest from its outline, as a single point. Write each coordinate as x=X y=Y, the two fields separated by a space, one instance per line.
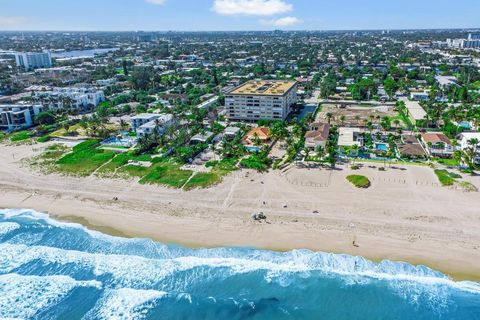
x=359 y=181
x=445 y=178
x=43 y=139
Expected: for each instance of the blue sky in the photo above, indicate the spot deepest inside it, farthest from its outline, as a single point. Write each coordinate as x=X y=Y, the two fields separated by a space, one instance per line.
x=200 y=15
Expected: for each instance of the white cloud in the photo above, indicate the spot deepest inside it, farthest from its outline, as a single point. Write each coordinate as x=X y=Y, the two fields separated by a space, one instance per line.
x=282 y=22
x=11 y=21
x=251 y=7
x=160 y=2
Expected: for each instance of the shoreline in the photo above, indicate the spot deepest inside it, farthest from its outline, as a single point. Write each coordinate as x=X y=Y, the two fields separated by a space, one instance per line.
x=404 y=216
x=455 y=275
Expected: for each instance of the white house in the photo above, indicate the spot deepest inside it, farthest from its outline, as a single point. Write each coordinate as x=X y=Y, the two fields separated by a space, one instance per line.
x=146 y=123
x=438 y=144
x=464 y=139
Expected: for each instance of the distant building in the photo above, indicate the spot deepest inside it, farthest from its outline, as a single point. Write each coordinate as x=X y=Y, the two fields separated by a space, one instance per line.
x=16 y=117
x=256 y=100
x=415 y=111
x=419 y=95
x=33 y=60
x=446 y=81
x=79 y=99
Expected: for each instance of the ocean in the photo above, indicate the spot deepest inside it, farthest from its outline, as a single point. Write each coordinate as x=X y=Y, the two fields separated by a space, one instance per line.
x=56 y=270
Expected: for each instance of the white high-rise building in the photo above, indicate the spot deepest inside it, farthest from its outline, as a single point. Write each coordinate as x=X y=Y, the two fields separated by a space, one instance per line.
x=261 y=100
x=33 y=60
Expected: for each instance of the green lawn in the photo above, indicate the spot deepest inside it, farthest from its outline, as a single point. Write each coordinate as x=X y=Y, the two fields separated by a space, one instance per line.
x=446 y=178
x=118 y=161
x=203 y=180
x=208 y=179
x=84 y=159
x=20 y=136
x=448 y=162
x=166 y=173
x=359 y=181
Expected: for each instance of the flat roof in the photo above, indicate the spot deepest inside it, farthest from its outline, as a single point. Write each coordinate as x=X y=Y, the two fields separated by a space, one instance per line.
x=264 y=88
x=415 y=110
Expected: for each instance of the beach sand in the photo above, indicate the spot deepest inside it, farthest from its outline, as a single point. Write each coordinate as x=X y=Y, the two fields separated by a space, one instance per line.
x=404 y=216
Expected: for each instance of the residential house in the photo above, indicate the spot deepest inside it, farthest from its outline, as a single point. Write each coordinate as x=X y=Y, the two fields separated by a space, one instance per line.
x=230 y=133
x=144 y=124
x=410 y=147
x=261 y=135
x=464 y=139
x=201 y=137
x=437 y=144
x=317 y=135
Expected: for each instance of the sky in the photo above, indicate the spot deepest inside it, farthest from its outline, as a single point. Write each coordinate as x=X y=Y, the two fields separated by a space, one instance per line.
x=236 y=15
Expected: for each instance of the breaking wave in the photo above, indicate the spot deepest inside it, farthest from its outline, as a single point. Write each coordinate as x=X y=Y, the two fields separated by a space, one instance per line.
x=46 y=267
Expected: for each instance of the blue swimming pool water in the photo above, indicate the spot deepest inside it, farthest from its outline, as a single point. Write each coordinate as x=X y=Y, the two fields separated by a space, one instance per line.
x=381 y=146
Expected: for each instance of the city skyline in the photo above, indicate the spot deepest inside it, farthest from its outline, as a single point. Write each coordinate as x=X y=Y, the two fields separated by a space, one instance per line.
x=235 y=15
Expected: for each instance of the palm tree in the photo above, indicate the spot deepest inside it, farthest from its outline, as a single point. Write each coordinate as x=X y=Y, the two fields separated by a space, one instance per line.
x=396 y=122
x=354 y=149
x=329 y=117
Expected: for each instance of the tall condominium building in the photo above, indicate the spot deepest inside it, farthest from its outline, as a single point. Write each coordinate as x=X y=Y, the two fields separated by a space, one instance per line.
x=256 y=100
x=33 y=60
x=15 y=117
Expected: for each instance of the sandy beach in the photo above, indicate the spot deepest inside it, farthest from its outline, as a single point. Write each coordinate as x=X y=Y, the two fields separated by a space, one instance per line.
x=404 y=216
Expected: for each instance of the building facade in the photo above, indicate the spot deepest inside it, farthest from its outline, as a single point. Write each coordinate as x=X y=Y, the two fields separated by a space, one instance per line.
x=16 y=117
x=33 y=60
x=79 y=99
x=145 y=124
x=261 y=100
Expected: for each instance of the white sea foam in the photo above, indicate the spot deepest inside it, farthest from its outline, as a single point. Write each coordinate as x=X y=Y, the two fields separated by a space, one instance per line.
x=137 y=271
x=125 y=303
x=25 y=296
x=35 y=215
x=7 y=227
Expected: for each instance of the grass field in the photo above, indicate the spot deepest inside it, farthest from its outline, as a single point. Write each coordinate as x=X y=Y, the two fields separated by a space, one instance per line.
x=359 y=181
x=84 y=159
x=166 y=173
x=203 y=180
x=446 y=178
x=20 y=136
x=208 y=179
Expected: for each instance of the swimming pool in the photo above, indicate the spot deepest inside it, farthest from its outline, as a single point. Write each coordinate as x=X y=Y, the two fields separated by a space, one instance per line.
x=381 y=146
x=253 y=149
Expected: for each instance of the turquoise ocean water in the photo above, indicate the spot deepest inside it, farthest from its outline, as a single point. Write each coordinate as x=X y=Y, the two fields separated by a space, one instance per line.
x=53 y=270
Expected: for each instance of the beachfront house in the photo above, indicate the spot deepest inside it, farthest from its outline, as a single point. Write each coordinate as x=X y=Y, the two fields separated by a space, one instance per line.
x=410 y=147
x=144 y=124
x=255 y=138
x=230 y=133
x=317 y=135
x=465 y=138
x=201 y=137
x=437 y=144
x=348 y=137
x=257 y=135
